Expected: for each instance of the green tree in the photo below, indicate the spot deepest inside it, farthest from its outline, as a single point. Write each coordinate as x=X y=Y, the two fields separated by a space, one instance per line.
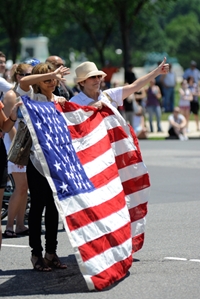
x=19 y=18
x=183 y=34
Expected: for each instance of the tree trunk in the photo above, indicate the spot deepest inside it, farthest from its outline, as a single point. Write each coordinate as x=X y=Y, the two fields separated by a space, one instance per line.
x=125 y=34
x=14 y=48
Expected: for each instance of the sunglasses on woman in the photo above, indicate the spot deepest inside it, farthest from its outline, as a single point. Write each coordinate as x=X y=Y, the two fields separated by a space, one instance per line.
x=24 y=75
x=48 y=81
x=94 y=77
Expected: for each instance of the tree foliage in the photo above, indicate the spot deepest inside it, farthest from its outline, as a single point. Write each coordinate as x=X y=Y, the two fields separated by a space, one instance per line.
x=98 y=28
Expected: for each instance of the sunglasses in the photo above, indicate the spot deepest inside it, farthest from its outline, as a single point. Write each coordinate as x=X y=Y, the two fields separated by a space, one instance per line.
x=48 y=81
x=59 y=64
x=24 y=75
x=94 y=77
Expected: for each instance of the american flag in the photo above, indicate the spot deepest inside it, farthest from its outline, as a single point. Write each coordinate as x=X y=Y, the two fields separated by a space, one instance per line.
x=99 y=182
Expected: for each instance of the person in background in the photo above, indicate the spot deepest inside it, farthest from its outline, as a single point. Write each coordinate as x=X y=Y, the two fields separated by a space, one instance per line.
x=169 y=84
x=184 y=101
x=177 y=125
x=39 y=86
x=153 y=106
x=6 y=125
x=140 y=97
x=18 y=200
x=75 y=88
x=129 y=75
x=194 y=104
x=110 y=71
x=4 y=84
x=160 y=85
x=139 y=123
x=192 y=71
x=129 y=108
x=61 y=89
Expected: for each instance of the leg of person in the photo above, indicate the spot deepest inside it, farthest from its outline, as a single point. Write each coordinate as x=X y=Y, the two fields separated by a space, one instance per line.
x=166 y=99
x=150 y=114
x=128 y=117
x=51 y=223
x=142 y=134
x=195 y=110
x=173 y=133
x=37 y=193
x=17 y=204
x=187 y=116
x=1 y=197
x=171 y=99
x=157 y=110
x=196 y=118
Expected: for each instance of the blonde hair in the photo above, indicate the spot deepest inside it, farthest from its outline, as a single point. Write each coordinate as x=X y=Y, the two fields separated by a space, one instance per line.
x=42 y=68
x=19 y=69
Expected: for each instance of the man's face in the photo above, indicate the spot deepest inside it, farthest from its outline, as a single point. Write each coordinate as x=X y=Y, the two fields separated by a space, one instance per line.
x=57 y=62
x=2 y=65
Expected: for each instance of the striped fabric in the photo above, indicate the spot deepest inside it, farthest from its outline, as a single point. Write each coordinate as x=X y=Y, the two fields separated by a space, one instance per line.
x=88 y=138
x=78 y=150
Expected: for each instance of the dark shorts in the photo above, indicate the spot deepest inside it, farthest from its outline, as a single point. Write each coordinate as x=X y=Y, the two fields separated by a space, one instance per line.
x=194 y=107
x=3 y=165
x=172 y=133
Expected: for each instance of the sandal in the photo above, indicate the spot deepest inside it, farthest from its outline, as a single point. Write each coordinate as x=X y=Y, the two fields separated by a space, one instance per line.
x=9 y=234
x=39 y=264
x=52 y=260
x=23 y=233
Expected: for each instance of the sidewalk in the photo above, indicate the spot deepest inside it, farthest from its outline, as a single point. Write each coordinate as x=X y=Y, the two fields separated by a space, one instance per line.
x=192 y=134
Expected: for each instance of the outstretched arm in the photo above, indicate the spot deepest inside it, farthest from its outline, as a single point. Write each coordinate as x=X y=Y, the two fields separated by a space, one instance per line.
x=163 y=68
x=34 y=79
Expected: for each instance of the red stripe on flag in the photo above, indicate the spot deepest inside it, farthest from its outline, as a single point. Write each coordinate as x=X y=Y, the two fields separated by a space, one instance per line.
x=128 y=158
x=94 y=151
x=96 y=213
x=117 y=133
x=95 y=247
x=108 y=174
x=84 y=128
x=112 y=274
x=137 y=242
x=138 y=212
x=136 y=184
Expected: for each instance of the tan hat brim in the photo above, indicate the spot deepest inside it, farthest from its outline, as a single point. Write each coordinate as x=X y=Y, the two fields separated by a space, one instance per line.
x=90 y=74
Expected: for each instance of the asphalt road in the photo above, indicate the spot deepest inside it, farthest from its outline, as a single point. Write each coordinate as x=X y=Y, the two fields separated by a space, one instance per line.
x=168 y=266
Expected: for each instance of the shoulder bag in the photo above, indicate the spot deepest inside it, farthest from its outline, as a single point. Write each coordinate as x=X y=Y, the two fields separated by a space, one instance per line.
x=20 y=148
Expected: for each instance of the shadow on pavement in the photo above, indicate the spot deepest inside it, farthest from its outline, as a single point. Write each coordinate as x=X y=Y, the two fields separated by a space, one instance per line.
x=30 y=282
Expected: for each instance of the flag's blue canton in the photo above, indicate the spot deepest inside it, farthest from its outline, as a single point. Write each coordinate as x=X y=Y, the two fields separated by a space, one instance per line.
x=65 y=168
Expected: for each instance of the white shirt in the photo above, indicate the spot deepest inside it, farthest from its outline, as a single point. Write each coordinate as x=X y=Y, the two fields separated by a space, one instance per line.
x=4 y=87
x=114 y=93
x=183 y=102
x=179 y=119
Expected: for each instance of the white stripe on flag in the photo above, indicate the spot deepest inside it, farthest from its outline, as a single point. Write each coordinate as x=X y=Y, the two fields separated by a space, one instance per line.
x=97 y=229
x=113 y=255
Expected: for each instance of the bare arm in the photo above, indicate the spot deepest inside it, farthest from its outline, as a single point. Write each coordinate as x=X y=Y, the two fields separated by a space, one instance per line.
x=139 y=83
x=34 y=79
x=9 y=102
x=6 y=124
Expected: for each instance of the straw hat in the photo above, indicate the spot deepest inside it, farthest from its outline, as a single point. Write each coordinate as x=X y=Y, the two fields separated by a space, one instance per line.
x=87 y=69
